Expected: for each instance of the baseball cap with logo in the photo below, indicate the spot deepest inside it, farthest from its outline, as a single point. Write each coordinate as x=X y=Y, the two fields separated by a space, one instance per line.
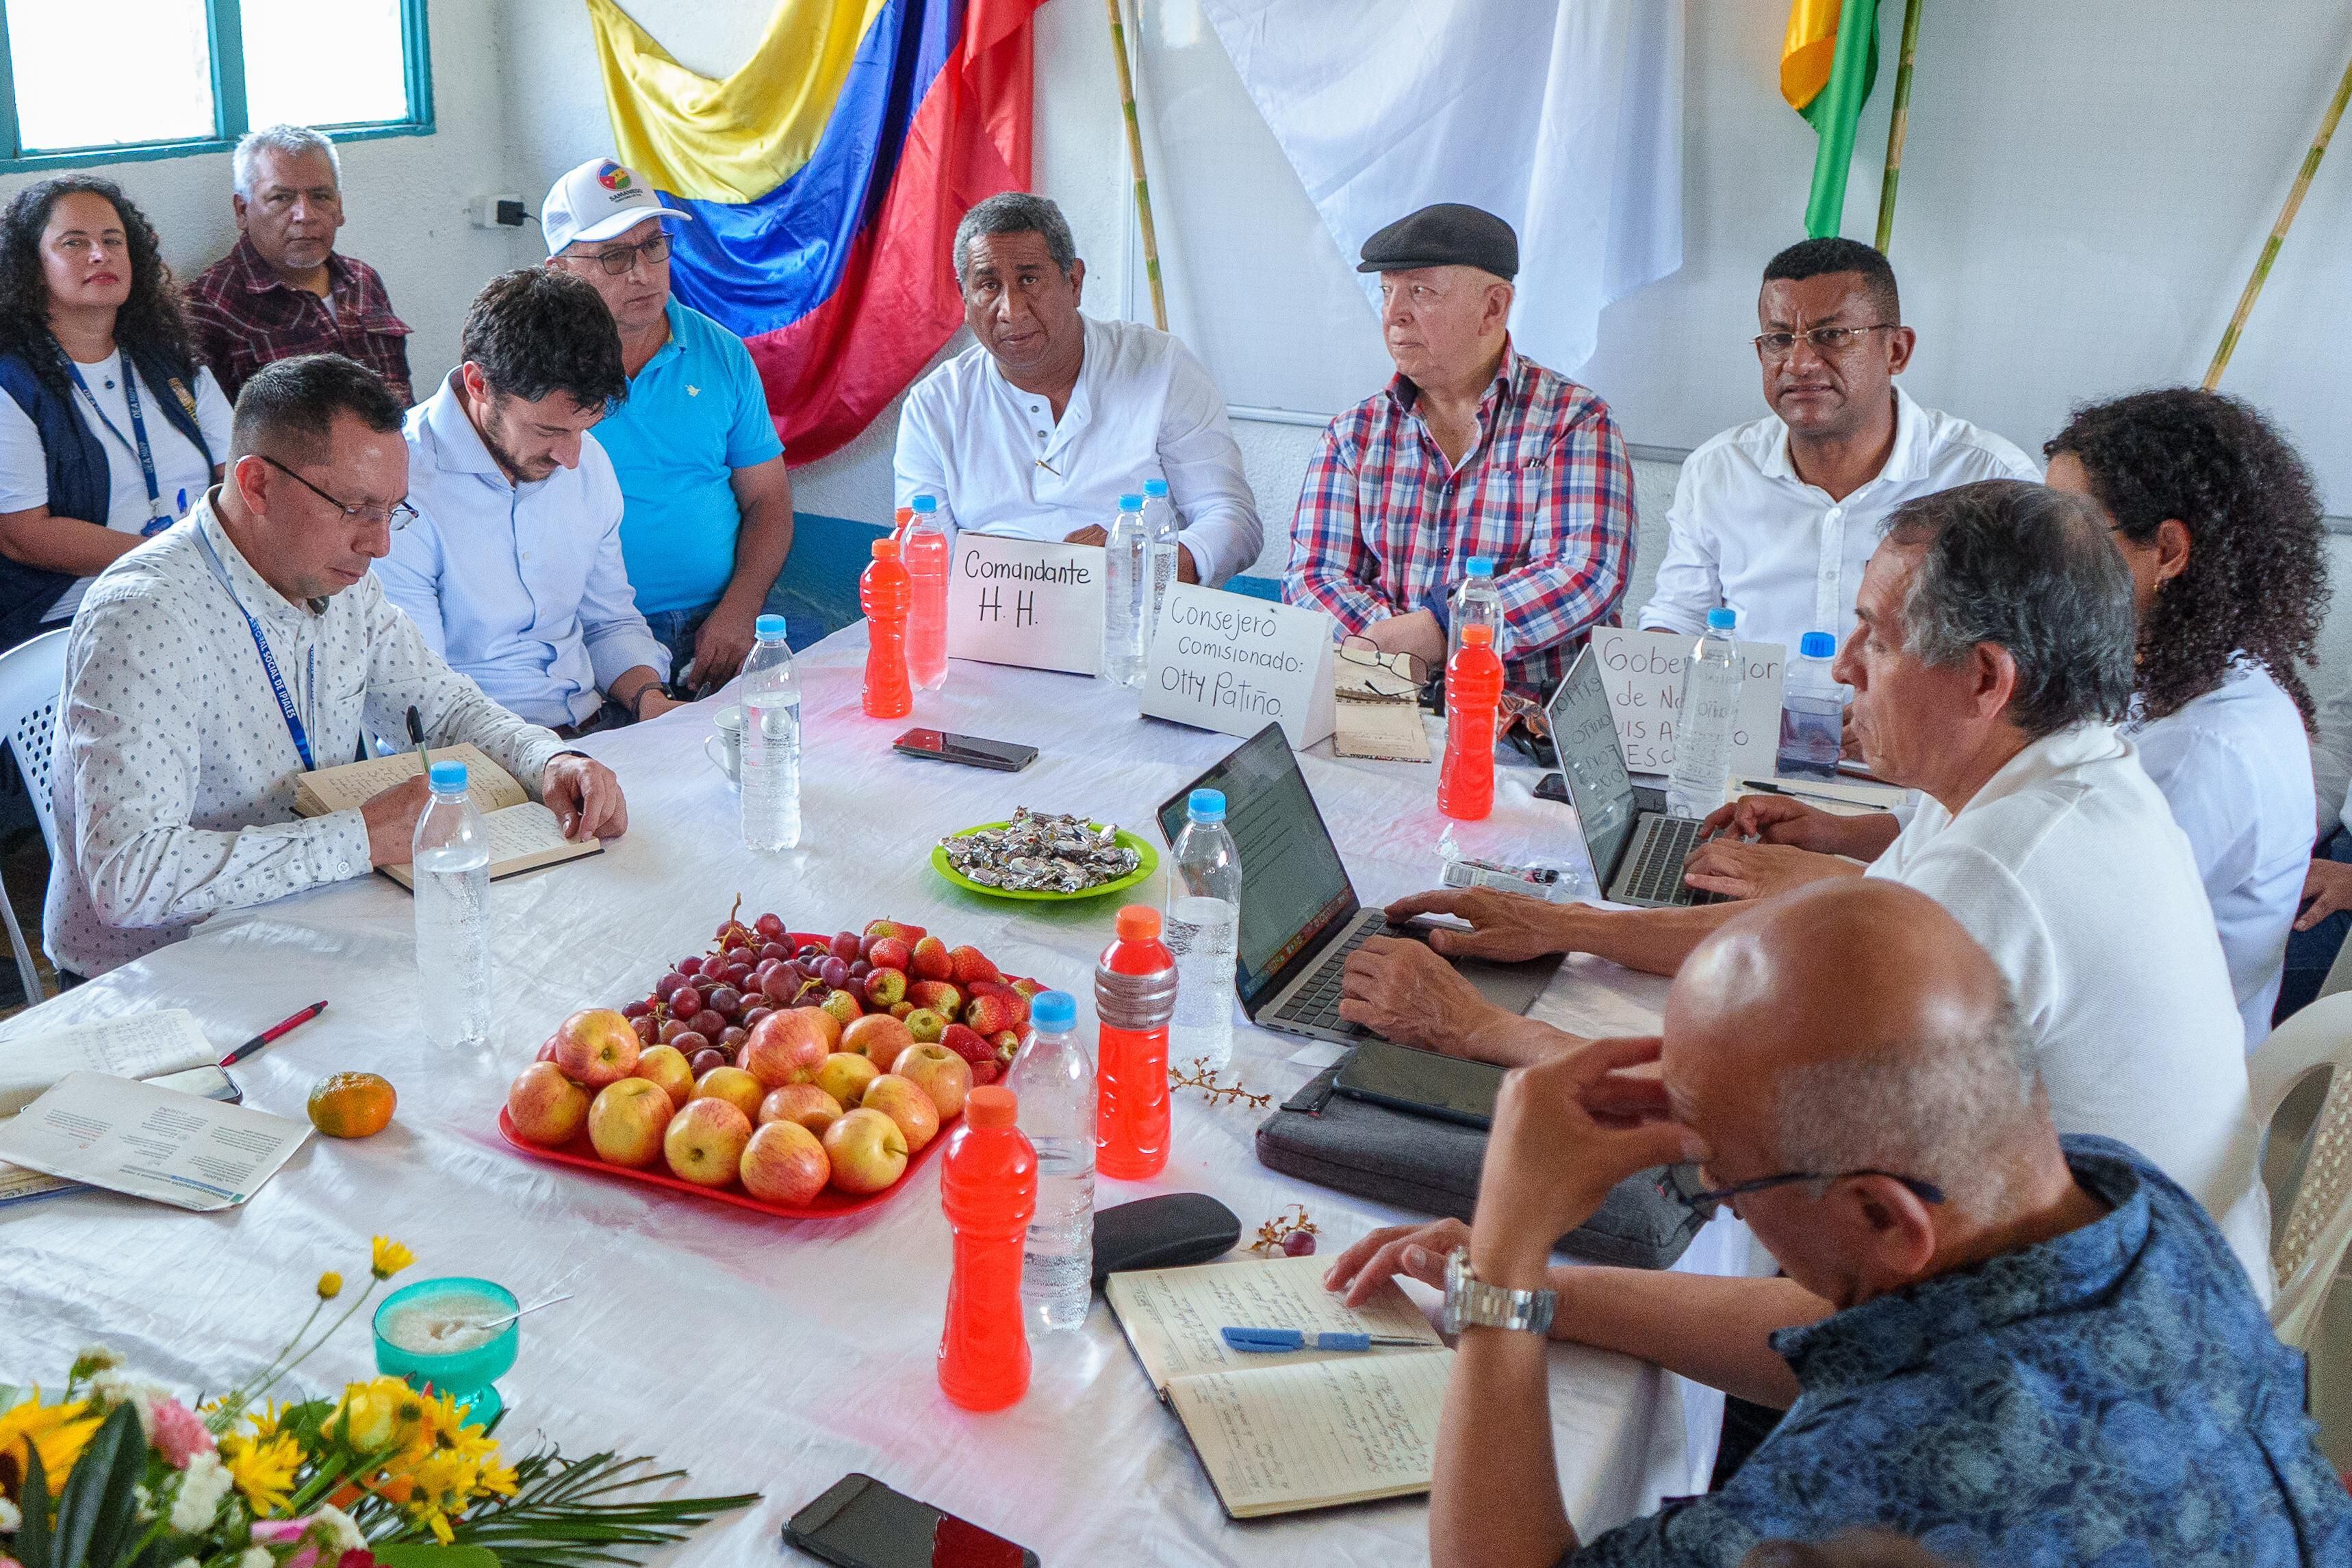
x=597 y=201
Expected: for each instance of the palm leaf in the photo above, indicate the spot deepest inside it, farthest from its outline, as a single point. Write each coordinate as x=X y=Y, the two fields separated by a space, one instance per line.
x=569 y=1512
x=94 y=1512
x=34 y=1535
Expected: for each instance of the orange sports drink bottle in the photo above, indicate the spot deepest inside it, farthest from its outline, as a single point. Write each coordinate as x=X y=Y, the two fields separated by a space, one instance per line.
x=988 y=1184
x=883 y=593
x=1473 y=691
x=923 y=546
x=1135 y=998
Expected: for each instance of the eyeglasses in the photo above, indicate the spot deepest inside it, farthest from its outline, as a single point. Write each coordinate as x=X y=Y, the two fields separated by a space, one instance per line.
x=1680 y=1184
x=617 y=259
x=1829 y=343
x=398 y=515
x=1406 y=668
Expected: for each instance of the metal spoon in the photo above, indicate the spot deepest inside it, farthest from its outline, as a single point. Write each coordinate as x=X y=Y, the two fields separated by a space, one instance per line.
x=501 y=1323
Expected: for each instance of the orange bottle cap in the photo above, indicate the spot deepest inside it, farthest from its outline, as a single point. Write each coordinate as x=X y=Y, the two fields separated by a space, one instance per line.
x=1139 y=923
x=903 y=515
x=990 y=1105
x=887 y=550
x=1480 y=636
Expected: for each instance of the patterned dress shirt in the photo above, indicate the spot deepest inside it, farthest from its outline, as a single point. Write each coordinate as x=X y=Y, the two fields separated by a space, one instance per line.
x=1386 y=526
x=174 y=773
x=245 y=316
x=2114 y=1395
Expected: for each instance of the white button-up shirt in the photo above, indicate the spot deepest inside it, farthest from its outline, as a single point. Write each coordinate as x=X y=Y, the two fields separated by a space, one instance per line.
x=520 y=586
x=175 y=772
x=2067 y=868
x=2235 y=766
x=1746 y=532
x=1144 y=408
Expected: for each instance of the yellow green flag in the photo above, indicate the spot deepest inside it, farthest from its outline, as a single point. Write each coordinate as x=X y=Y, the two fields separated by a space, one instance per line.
x=1829 y=61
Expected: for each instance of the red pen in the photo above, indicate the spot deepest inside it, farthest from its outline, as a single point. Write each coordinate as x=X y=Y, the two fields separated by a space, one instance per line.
x=266 y=1035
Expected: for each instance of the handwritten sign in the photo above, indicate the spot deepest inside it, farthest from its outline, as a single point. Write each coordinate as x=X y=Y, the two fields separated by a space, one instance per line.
x=1229 y=662
x=1643 y=673
x=1022 y=602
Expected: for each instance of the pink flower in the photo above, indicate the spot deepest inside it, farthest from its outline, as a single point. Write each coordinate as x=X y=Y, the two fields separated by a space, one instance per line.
x=177 y=1434
x=312 y=1531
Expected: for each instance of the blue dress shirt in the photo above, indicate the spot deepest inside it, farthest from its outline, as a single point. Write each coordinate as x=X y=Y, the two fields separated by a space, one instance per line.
x=2113 y=1396
x=520 y=586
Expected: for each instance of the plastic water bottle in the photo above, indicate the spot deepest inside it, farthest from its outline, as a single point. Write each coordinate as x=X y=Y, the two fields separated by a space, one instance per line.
x=451 y=860
x=1205 y=923
x=883 y=593
x=1056 y=1083
x=1135 y=1000
x=771 y=766
x=924 y=545
x=1812 y=711
x=1161 y=527
x=988 y=1184
x=1473 y=694
x=1126 y=596
x=1475 y=604
x=1711 y=680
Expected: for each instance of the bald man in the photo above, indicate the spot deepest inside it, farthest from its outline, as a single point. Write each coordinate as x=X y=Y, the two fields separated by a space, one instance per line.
x=2015 y=1348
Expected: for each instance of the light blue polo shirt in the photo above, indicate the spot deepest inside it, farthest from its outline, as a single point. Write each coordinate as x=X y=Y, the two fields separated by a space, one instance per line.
x=694 y=415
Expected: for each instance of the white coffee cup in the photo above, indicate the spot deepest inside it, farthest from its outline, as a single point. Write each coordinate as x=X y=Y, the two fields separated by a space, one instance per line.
x=724 y=745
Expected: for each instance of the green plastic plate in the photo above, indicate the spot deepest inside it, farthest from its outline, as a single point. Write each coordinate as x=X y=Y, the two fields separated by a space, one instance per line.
x=1147 y=862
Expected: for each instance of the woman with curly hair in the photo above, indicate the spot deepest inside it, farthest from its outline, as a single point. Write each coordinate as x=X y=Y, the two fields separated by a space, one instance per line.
x=111 y=427
x=2220 y=523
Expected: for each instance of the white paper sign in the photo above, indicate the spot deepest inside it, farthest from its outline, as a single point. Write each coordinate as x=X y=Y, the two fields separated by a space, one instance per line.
x=1021 y=601
x=1230 y=662
x=1643 y=673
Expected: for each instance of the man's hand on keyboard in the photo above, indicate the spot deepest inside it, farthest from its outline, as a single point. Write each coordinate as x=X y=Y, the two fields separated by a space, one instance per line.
x=1734 y=870
x=1400 y=989
x=1504 y=926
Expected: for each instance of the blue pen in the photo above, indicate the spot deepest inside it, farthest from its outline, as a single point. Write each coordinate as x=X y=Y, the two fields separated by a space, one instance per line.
x=1270 y=1342
x=182 y=507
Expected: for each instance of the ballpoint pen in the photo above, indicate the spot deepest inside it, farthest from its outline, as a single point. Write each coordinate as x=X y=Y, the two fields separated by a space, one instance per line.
x=1273 y=1341
x=266 y=1035
x=417 y=734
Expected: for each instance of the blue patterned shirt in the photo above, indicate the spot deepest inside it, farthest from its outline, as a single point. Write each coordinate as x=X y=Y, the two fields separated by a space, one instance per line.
x=2112 y=1398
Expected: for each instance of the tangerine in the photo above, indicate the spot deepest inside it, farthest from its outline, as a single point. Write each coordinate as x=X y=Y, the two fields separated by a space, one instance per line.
x=351 y=1105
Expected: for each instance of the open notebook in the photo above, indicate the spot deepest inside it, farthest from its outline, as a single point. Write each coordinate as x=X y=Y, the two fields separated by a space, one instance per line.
x=1283 y=1433
x=164 y=1048
x=524 y=835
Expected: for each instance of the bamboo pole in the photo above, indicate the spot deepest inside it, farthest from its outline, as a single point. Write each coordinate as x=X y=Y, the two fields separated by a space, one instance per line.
x=1899 y=125
x=2278 y=231
x=1135 y=160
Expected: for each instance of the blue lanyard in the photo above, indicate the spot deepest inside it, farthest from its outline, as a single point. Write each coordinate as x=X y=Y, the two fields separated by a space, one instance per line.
x=269 y=660
x=156 y=520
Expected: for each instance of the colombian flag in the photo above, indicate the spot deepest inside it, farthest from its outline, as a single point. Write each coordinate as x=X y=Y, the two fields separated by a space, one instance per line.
x=827 y=176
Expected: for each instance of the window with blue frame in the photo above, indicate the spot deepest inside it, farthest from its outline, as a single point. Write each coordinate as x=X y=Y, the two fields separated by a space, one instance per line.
x=96 y=81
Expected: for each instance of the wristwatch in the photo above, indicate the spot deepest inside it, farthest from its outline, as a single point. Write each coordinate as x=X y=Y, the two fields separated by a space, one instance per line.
x=1470 y=1300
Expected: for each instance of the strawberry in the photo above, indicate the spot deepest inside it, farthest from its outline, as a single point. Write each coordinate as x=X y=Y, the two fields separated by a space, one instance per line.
x=929 y=960
x=1008 y=1045
x=968 y=1043
x=891 y=952
x=1017 y=1006
x=1027 y=987
x=968 y=963
x=985 y=1071
x=988 y=1015
x=988 y=988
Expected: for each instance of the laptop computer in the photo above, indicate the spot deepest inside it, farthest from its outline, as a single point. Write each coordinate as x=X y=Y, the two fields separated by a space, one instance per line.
x=1301 y=918
x=1637 y=848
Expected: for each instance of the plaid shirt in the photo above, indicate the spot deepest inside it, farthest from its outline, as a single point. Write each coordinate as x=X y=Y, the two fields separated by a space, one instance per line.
x=1386 y=526
x=245 y=316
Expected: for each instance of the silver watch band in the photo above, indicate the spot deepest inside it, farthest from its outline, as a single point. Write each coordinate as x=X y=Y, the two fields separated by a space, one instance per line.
x=1470 y=1301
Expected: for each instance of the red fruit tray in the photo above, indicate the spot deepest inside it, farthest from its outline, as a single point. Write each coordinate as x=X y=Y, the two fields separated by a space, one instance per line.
x=830 y=1204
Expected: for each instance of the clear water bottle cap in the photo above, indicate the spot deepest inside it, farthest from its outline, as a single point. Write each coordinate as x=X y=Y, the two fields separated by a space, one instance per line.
x=1130 y=502
x=447 y=778
x=1155 y=486
x=926 y=503
x=1055 y=1012
x=1207 y=806
x=1817 y=645
x=1482 y=566
x=769 y=628
x=1722 y=618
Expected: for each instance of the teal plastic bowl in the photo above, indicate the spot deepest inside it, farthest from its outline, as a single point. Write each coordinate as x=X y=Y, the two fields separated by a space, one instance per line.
x=470 y=1377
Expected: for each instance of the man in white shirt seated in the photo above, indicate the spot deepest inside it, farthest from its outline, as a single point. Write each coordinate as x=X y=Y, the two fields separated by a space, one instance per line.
x=1037 y=429
x=1777 y=519
x=212 y=665
x=1992 y=661
x=513 y=572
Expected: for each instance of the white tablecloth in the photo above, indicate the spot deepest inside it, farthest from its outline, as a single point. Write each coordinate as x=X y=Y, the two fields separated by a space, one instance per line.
x=760 y=1354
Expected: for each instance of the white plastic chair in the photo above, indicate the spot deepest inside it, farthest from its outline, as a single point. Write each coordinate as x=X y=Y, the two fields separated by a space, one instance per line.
x=32 y=679
x=2311 y=1244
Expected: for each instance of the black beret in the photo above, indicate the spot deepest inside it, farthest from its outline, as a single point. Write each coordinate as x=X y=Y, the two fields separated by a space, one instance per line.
x=1447 y=234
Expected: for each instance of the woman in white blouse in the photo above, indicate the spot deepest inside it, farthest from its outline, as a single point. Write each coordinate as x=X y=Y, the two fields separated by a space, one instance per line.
x=110 y=428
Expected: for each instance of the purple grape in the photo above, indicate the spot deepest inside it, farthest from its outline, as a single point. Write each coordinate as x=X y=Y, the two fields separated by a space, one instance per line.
x=685 y=1002
x=689 y=966
x=725 y=1000
x=636 y=1010
x=835 y=973
x=1298 y=1244
x=859 y=968
x=667 y=984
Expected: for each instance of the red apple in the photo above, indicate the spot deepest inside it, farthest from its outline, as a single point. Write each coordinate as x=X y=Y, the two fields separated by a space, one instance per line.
x=938 y=1072
x=703 y=1143
x=804 y=1104
x=666 y=1065
x=790 y=1046
x=844 y=1077
x=547 y=1048
x=733 y=1085
x=904 y=1102
x=597 y=1046
x=879 y=1038
x=546 y=1107
x=785 y=1163
x=928 y=960
x=626 y=1122
x=867 y=1150
x=885 y=988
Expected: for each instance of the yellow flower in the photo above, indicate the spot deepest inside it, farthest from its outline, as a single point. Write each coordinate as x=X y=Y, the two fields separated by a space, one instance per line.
x=263 y=1468
x=331 y=1285
x=58 y=1432
x=378 y=1416
x=390 y=1258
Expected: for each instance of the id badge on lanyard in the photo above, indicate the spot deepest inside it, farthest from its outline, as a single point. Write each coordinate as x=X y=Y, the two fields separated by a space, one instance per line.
x=270 y=662
x=156 y=519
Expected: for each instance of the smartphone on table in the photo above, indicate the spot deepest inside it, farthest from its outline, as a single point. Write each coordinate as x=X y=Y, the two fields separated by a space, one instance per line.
x=861 y=1523
x=966 y=750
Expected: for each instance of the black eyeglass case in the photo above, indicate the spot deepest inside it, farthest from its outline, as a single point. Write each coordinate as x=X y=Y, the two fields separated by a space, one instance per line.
x=1169 y=1231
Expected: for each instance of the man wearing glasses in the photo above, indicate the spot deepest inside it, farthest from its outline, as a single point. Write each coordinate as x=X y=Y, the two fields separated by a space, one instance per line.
x=2013 y=1346
x=709 y=519
x=1776 y=518
x=514 y=570
x=219 y=661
